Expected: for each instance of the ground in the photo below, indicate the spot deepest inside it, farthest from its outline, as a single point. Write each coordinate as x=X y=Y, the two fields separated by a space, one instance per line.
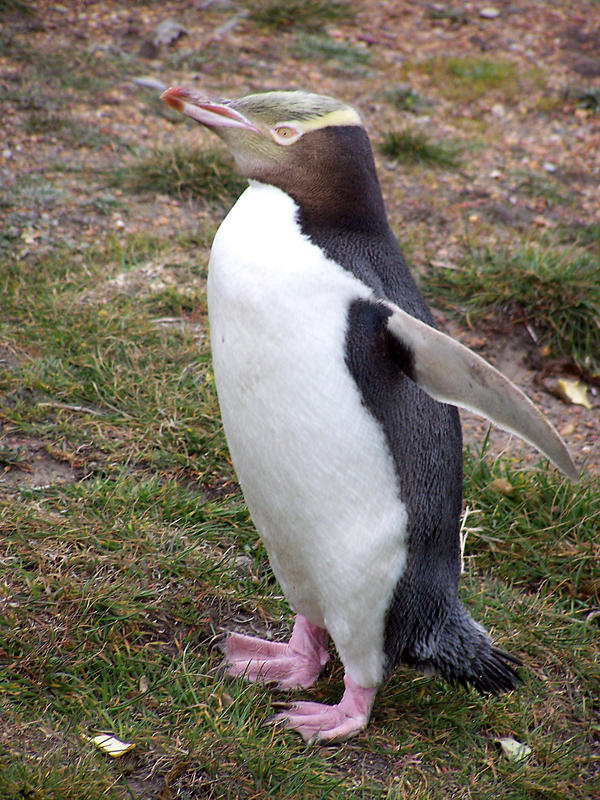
x=109 y=426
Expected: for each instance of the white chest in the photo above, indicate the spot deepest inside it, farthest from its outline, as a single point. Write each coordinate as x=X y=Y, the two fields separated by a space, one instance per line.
x=314 y=465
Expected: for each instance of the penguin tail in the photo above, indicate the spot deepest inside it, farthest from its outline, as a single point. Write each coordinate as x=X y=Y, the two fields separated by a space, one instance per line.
x=465 y=655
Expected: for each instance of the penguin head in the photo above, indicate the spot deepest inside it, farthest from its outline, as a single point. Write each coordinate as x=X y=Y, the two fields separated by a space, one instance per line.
x=264 y=131
x=311 y=146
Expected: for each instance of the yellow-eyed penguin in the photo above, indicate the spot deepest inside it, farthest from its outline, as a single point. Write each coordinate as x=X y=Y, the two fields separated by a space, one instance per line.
x=334 y=387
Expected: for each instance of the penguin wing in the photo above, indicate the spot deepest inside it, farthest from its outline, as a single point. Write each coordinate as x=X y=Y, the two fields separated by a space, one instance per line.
x=451 y=373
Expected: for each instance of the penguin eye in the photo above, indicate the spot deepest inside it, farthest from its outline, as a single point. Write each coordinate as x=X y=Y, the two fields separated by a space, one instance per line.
x=285 y=134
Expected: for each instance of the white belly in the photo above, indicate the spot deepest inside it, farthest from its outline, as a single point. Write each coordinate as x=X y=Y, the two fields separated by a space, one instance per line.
x=314 y=465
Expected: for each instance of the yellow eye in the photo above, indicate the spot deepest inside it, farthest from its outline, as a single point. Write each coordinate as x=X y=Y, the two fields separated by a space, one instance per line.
x=285 y=134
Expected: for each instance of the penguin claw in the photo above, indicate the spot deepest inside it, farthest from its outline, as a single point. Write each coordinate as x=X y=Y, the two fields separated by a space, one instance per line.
x=295 y=665
x=286 y=670
x=327 y=725
x=318 y=722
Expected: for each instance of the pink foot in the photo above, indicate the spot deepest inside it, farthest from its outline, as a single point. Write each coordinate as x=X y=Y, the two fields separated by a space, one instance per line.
x=291 y=666
x=317 y=722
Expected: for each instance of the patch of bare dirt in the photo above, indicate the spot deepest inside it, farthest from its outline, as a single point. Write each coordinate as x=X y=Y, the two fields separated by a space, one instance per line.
x=26 y=463
x=517 y=357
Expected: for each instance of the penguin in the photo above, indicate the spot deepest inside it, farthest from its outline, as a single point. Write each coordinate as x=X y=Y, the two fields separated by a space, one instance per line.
x=339 y=396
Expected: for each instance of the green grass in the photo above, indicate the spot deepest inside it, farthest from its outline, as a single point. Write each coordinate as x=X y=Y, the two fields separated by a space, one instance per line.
x=452 y=15
x=540 y=521
x=408 y=147
x=468 y=78
x=276 y=15
x=15 y=5
x=340 y=56
x=63 y=67
x=479 y=70
x=71 y=131
x=555 y=289
x=534 y=184
x=183 y=171
x=115 y=585
x=404 y=98
x=582 y=235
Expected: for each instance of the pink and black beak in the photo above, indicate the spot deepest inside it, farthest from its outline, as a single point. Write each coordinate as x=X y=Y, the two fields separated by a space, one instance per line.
x=207 y=112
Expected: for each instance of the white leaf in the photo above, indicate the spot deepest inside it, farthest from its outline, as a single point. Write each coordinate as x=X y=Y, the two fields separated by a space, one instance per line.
x=574 y=392
x=513 y=750
x=111 y=745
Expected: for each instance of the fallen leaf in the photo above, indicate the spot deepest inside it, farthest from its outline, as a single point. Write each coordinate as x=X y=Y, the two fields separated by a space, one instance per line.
x=512 y=749
x=574 y=392
x=489 y=13
x=503 y=486
x=149 y=82
x=111 y=745
x=167 y=32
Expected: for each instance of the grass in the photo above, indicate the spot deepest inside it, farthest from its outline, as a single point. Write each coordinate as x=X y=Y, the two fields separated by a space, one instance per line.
x=550 y=527
x=587 y=236
x=184 y=171
x=404 y=98
x=555 y=289
x=408 y=147
x=452 y=15
x=71 y=131
x=338 y=55
x=534 y=184
x=15 y=5
x=116 y=584
x=480 y=70
x=468 y=78
x=312 y=15
x=63 y=67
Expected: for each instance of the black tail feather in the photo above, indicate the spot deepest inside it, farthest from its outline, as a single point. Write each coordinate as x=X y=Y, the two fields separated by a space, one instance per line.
x=465 y=655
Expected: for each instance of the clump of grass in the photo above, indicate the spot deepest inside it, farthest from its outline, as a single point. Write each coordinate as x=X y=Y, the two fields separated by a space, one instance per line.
x=184 y=171
x=452 y=15
x=534 y=184
x=70 y=130
x=581 y=235
x=64 y=67
x=554 y=289
x=469 y=78
x=535 y=531
x=404 y=98
x=12 y=456
x=409 y=147
x=308 y=14
x=15 y=5
x=586 y=98
x=480 y=70
x=337 y=54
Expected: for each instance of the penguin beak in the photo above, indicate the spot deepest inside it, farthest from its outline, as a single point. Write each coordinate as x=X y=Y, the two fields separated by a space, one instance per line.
x=206 y=112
